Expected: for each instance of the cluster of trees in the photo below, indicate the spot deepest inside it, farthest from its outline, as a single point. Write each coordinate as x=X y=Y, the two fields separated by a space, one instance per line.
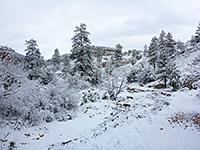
x=161 y=55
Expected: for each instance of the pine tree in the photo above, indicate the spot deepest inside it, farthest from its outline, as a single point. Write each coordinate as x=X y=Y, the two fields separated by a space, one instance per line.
x=82 y=55
x=66 y=65
x=118 y=55
x=170 y=45
x=83 y=62
x=197 y=34
x=173 y=75
x=166 y=69
x=162 y=62
x=180 y=47
x=162 y=38
x=80 y=39
x=152 y=52
x=56 y=59
x=33 y=60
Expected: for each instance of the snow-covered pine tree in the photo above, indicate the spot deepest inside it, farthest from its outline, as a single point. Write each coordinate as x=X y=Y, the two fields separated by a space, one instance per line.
x=170 y=45
x=118 y=55
x=80 y=39
x=174 y=75
x=161 y=64
x=33 y=60
x=152 y=52
x=136 y=54
x=162 y=41
x=66 y=65
x=166 y=69
x=197 y=34
x=180 y=47
x=82 y=55
x=56 y=60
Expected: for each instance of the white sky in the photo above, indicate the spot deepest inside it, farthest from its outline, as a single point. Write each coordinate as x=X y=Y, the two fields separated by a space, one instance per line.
x=132 y=23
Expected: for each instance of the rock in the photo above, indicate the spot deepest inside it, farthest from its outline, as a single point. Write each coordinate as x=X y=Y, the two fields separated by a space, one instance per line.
x=159 y=86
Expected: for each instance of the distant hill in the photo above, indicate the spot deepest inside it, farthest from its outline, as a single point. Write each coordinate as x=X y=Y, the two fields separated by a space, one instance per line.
x=8 y=54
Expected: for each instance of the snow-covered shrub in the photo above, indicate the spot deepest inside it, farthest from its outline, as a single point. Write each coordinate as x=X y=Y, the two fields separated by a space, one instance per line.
x=46 y=76
x=105 y=96
x=146 y=75
x=30 y=106
x=61 y=101
x=132 y=77
x=190 y=80
x=90 y=96
x=76 y=82
x=133 y=61
x=19 y=105
x=25 y=102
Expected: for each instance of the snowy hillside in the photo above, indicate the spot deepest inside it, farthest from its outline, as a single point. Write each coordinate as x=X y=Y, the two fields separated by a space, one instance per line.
x=145 y=119
x=103 y=99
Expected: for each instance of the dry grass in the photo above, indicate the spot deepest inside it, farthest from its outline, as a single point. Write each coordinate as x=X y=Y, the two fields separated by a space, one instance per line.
x=186 y=120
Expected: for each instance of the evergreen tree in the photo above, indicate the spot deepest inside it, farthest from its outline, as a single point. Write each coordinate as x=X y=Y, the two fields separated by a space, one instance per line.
x=162 y=39
x=152 y=52
x=174 y=75
x=82 y=55
x=118 y=55
x=33 y=60
x=197 y=34
x=162 y=61
x=80 y=39
x=56 y=59
x=166 y=69
x=180 y=47
x=193 y=41
x=170 y=45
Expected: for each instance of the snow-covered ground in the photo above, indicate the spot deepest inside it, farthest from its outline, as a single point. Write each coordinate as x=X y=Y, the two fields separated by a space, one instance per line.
x=141 y=118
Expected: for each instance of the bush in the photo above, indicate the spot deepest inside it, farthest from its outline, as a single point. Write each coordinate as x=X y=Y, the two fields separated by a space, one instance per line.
x=146 y=76
x=132 y=77
x=35 y=104
x=90 y=96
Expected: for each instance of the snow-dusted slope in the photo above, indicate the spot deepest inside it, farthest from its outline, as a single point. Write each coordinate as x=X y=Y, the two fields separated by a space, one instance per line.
x=142 y=119
x=189 y=62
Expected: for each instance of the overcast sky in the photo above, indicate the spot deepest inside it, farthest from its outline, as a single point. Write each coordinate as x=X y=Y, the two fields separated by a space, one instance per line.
x=132 y=23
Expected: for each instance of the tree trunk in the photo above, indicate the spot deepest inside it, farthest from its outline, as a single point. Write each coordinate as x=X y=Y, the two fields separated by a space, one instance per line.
x=165 y=82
